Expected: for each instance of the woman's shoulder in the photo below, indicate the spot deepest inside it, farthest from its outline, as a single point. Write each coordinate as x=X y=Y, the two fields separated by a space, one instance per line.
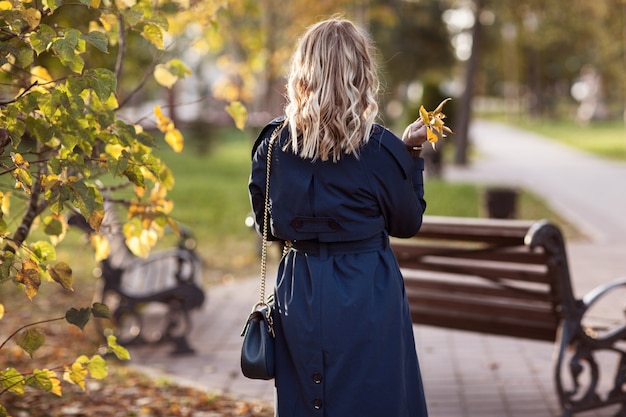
x=384 y=142
x=267 y=131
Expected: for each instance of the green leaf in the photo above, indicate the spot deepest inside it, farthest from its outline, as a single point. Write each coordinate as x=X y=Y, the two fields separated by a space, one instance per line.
x=25 y=57
x=119 y=351
x=103 y=82
x=44 y=251
x=62 y=274
x=12 y=381
x=6 y=262
x=100 y=310
x=65 y=50
x=89 y=201
x=76 y=85
x=39 y=380
x=30 y=340
x=134 y=175
x=78 y=318
x=117 y=166
x=3 y=411
x=178 y=68
x=153 y=34
x=97 y=367
x=42 y=39
x=97 y=39
x=52 y=226
x=53 y=4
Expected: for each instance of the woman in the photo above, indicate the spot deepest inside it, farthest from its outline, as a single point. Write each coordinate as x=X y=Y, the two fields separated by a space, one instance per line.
x=340 y=185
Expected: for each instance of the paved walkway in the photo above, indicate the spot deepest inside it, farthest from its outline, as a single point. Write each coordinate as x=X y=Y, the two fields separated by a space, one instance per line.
x=465 y=374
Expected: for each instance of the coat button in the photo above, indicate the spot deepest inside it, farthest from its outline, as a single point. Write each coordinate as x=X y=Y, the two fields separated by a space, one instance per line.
x=317 y=403
x=317 y=378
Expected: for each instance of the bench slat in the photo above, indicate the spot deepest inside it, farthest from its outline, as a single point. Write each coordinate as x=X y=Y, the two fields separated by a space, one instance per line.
x=526 y=293
x=405 y=251
x=467 y=322
x=490 y=272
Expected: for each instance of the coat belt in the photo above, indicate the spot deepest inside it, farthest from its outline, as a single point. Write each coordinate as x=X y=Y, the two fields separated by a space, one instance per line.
x=322 y=249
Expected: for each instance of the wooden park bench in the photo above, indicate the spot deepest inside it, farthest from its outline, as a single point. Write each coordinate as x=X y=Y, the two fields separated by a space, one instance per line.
x=151 y=298
x=511 y=278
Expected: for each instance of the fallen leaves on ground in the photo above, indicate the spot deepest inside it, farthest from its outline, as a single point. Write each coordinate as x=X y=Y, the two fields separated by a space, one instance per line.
x=127 y=393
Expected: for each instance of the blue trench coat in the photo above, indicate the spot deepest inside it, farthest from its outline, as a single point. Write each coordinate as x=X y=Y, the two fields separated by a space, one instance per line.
x=344 y=337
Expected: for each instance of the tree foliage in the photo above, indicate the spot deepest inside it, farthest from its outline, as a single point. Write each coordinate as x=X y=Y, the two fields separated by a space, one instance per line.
x=64 y=148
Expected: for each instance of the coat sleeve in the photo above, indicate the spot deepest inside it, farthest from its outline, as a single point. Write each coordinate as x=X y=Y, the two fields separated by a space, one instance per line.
x=399 y=185
x=256 y=183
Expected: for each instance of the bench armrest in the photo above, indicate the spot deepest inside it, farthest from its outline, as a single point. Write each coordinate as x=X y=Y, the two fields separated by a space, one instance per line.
x=594 y=296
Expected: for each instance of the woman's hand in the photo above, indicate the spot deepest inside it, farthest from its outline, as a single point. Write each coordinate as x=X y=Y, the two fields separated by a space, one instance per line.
x=415 y=134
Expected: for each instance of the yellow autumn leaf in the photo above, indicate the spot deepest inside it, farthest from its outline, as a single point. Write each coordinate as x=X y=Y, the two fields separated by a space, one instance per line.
x=49 y=181
x=239 y=113
x=142 y=244
x=115 y=149
x=56 y=385
x=101 y=246
x=62 y=274
x=175 y=139
x=29 y=277
x=77 y=372
x=5 y=206
x=5 y=5
x=19 y=160
x=164 y=124
x=1 y=311
x=32 y=16
x=435 y=126
x=424 y=114
x=40 y=74
x=164 y=77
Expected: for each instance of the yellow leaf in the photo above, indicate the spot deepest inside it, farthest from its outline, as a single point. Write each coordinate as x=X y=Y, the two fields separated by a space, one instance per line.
x=164 y=77
x=19 y=160
x=239 y=113
x=101 y=245
x=5 y=5
x=439 y=108
x=115 y=150
x=424 y=115
x=29 y=277
x=95 y=4
x=62 y=274
x=40 y=74
x=77 y=372
x=163 y=122
x=49 y=181
x=32 y=16
x=1 y=311
x=97 y=367
x=142 y=244
x=56 y=385
x=175 y=139
x=6 y=203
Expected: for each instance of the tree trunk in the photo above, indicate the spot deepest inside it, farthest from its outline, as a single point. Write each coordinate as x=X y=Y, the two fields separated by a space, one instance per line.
x=465 y=111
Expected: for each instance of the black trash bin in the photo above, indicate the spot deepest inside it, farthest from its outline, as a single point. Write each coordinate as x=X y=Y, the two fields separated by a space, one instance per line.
x=501 y=203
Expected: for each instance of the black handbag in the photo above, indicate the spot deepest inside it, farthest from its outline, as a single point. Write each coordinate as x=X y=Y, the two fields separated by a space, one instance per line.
x=257 y=351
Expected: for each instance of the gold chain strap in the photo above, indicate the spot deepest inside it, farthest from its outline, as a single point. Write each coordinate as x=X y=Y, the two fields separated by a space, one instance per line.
x=266 y=215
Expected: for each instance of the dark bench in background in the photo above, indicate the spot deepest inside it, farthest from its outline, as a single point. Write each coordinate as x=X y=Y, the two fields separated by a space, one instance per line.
x=511 y=278
x=151 y=298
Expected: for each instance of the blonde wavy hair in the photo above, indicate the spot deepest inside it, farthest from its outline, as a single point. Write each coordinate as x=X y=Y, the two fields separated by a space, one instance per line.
x=332 y=90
